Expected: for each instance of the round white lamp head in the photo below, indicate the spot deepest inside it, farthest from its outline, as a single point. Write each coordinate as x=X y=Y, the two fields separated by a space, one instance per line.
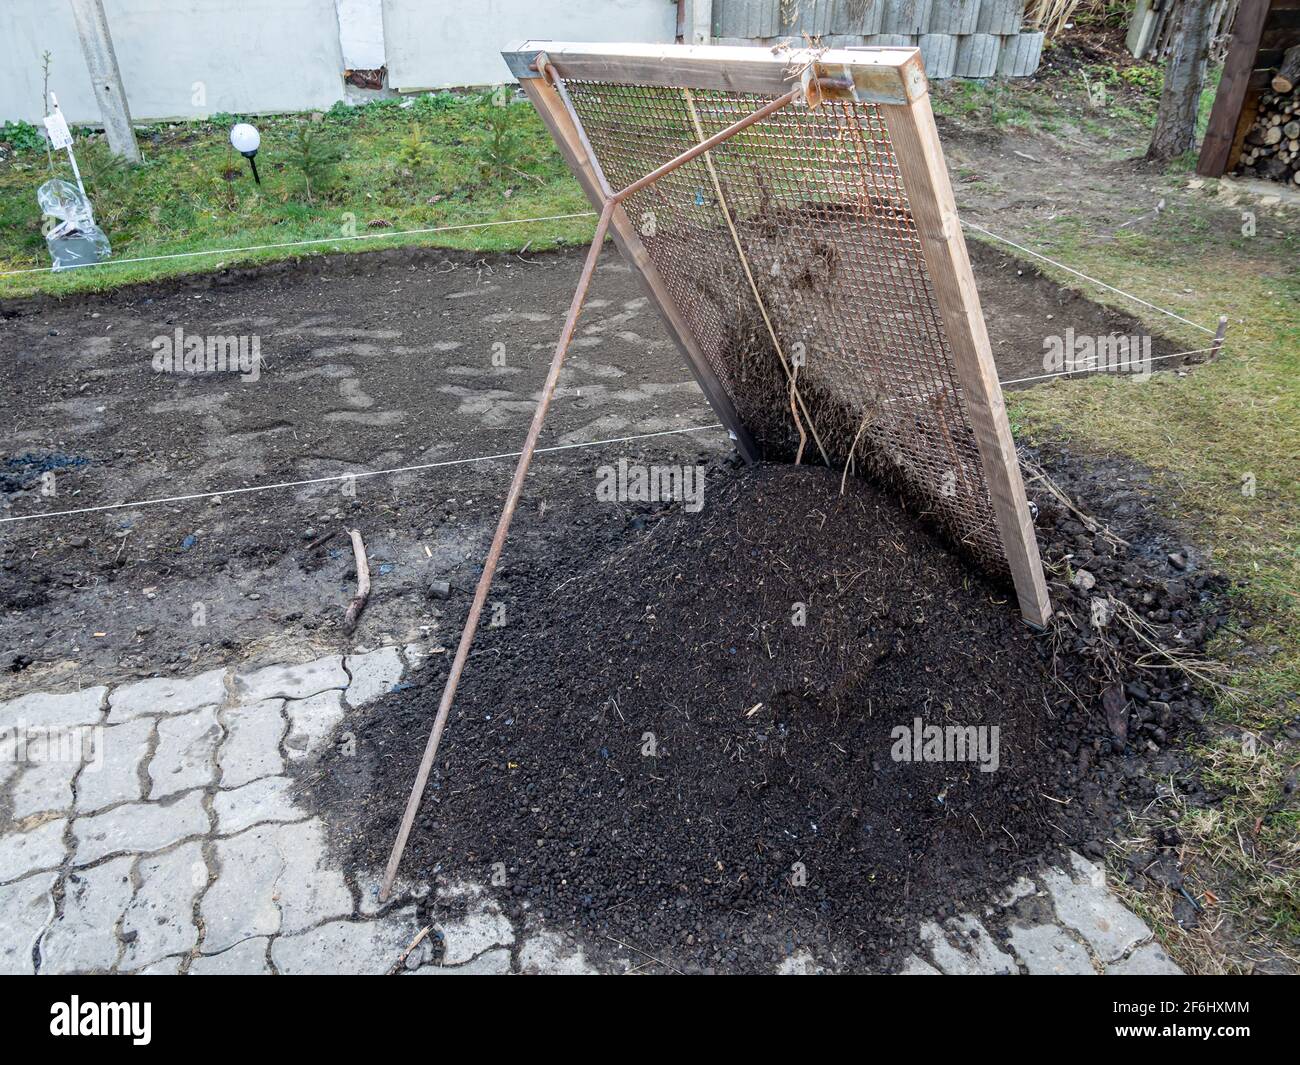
x=245 y=138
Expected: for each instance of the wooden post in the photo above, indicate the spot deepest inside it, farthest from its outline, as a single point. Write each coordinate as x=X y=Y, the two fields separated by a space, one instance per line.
x=551 y=109
x=101 y=60
x=697 y=25
x=1221 y=134
x=934 y=210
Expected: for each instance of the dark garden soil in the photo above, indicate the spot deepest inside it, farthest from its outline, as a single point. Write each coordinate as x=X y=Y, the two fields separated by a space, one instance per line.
x=628 y=628
x=659 y=755
x=370 y=361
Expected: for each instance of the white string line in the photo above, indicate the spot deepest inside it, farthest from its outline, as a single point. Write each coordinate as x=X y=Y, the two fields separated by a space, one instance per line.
x=490 y=458
x=1079 y=273
x=512 y=454
x=353 y=476
x=302 y=243
x=486 y=458
x=1104 y=369
x=527 y=221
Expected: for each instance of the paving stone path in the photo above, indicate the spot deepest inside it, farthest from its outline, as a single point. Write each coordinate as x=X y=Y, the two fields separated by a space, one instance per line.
x=151 y=828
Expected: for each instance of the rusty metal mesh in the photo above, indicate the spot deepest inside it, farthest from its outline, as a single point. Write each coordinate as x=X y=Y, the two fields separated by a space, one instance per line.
x=822 y=218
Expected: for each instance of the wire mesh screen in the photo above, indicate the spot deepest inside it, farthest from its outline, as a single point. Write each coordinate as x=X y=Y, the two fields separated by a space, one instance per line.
x=791 y=252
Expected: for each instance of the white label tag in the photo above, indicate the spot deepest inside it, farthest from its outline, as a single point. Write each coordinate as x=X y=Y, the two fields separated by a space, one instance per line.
x=57 y=127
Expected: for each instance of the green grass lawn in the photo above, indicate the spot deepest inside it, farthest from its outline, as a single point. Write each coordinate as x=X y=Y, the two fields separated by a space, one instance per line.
x=1224 y=443
x=445 y=160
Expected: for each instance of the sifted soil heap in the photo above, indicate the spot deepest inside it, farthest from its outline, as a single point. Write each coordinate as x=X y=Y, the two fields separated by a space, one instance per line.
x=658 y=751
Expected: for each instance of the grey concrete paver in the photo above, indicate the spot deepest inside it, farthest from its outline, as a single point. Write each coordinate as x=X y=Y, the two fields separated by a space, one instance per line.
x=186 y=754
x=312 y=721
x=965 y=948
x=43 y=787
x=167 y=695
x=547 y=954
x=291 y=682
x=373 y=674
x=114 y=776
x=162 y=967
x=272 y=879
x=246 y=958
x=1084 y=904
x=83 y=937
x=139 y=827
x=1149 y=959
x=367 y=947
x=50 y=710
x=483 y=925
x=251 y=748
x=1048 y=950
x=159 y=920
x=266 y=799
x=242 y=902
x=489 y=963
x=26 y=907
x=22 y=853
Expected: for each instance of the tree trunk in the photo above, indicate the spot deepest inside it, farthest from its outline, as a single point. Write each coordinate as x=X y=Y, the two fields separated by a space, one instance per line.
x=1184 y=78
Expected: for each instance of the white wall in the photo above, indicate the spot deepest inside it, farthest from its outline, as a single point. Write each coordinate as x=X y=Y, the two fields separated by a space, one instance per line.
x=441 y=44
x=361 y=32
x=192 y=58
x=179 y=58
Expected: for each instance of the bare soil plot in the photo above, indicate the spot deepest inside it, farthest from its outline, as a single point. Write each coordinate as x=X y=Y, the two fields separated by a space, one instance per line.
x=369 y=362
x=620 y=620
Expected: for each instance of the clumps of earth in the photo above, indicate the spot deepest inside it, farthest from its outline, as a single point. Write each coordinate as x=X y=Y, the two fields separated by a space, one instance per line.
x=687 y=738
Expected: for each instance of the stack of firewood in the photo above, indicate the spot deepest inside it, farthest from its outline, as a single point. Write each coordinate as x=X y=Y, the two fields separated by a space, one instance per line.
x=1272 y=147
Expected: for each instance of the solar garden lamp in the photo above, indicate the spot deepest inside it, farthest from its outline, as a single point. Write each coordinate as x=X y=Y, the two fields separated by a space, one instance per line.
x=246 y=140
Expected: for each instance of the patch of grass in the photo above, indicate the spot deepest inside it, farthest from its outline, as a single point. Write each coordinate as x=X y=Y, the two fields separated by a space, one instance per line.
x=1103 y=102
x=1224 y=444
x=484 y=158
x=999 y=105
x=22 y=136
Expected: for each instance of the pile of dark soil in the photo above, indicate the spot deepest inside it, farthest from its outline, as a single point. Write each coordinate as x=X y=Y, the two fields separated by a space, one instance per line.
x=659 y=754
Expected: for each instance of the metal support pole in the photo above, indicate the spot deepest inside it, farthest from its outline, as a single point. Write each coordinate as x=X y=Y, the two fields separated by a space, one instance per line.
x=526 y=458
x=494 y=552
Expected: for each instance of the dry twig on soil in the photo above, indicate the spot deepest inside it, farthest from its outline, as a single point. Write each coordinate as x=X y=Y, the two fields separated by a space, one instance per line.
x=358 y=604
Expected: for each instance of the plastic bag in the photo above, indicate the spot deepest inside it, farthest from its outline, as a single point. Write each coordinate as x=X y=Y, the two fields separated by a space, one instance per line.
x=76 y=240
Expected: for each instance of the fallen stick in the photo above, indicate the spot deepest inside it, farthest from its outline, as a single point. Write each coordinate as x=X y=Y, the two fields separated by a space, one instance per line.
x=358 y=603
x=1037 y=473
x=419 y=938
x=321 y=540
x=657 y=961
x=803 y=437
